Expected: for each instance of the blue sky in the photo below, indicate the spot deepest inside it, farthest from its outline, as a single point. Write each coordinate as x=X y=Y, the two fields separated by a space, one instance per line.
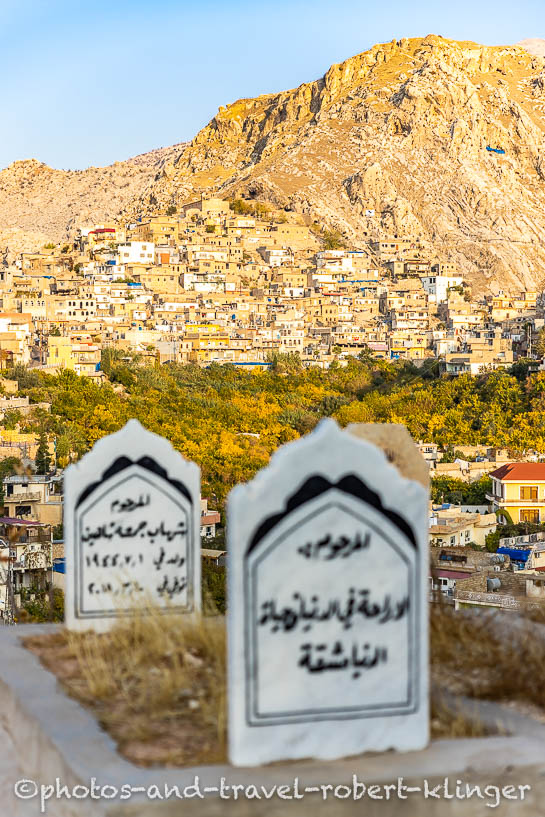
x=89 y=83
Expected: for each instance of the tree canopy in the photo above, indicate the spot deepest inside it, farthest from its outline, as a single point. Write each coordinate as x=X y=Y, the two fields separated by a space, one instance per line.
x=230 y=421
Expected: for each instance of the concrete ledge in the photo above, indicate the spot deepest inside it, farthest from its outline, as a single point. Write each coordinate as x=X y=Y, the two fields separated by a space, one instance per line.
x=55 y=737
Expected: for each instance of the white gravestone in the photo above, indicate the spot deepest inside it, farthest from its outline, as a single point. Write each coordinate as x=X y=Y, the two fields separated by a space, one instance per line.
x=132 y=530
x=327 y=615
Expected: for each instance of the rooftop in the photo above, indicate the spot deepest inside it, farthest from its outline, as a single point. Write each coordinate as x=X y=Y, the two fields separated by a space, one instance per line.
x=520 y=471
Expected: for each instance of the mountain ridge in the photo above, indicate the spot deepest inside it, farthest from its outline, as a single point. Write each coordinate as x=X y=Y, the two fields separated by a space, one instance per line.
x=401 y=130
x=38 y=202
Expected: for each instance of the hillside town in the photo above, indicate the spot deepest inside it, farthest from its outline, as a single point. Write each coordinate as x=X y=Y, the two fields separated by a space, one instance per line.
x=213 y=284
x=272 y=410
x=231 y=283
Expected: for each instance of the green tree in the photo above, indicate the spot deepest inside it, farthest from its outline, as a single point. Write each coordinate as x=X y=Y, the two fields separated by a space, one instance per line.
x=8 y=466
x=451 y=489
x=260 y=210
x=539 y=343
x=333 y=240
x=229 y=421
x=12 y=418
x=26 y=378
x=448 y=455
x=213 y=587
x=240 y=207
x=44 y=607
x=331 y=403
x=43 y=457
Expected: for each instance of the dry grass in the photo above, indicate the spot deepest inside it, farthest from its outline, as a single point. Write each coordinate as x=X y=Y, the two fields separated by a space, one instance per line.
x=446 y=722
x=155 y=682
x=534 y=612
x=475 y=656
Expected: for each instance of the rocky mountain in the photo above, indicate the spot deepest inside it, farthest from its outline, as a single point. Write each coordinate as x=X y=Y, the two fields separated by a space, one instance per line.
x=418 y=137
x=39 y=202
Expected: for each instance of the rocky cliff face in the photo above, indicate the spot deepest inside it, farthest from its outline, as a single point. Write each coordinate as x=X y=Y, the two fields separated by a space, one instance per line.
x=392 y=141
x=35 y=198
x=401 y=130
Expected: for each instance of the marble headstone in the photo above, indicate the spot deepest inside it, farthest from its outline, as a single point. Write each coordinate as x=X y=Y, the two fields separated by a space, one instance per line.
x=327 y=614
x=398 y=445
x=132 y=530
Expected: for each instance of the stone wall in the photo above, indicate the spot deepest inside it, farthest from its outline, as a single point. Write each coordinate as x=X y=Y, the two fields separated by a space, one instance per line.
x=511 y=584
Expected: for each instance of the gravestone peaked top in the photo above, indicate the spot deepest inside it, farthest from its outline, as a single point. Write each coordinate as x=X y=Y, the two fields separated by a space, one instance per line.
x=327 y=616
x=132 y=530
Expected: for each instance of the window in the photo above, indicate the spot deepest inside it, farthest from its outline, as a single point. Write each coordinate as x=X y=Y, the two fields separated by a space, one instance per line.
x=529 y=516
x=528 y=492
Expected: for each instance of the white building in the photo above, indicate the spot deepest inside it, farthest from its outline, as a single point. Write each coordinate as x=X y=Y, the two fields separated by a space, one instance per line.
x=437 y=286
x=137 y=252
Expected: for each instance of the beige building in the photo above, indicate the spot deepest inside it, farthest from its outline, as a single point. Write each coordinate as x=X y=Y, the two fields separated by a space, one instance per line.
x=34 y=498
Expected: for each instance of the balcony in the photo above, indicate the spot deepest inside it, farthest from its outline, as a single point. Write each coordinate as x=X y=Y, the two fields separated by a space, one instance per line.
x=20 y=499
x=505 y=503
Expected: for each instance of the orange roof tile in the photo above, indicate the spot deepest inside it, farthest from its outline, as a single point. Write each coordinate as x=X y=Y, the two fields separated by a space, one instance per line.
x=515 y=471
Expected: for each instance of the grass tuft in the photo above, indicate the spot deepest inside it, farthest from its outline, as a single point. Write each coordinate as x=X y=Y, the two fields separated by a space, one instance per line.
x=156 y=683
x=499 y=657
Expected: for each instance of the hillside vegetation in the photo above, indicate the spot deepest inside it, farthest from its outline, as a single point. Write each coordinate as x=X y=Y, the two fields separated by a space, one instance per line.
x=230 y=421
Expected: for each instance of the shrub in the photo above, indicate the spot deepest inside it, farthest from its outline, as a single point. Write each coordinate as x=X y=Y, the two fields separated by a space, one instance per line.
x=333 y=240
x=214 y=592
x=43 y=607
